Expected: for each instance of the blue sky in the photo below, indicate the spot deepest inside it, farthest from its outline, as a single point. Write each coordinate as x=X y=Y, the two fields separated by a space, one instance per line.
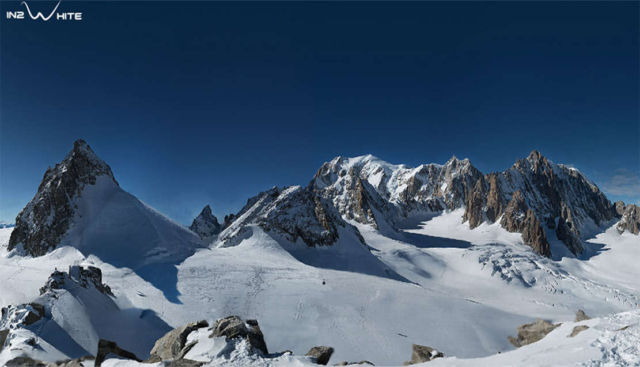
x=209 y=103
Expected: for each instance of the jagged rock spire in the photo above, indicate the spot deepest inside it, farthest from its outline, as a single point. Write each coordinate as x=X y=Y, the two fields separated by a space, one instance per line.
x=206 y=225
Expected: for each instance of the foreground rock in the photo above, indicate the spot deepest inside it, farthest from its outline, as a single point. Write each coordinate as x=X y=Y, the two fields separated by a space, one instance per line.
x=30 y=362
x=233 y=327
x=531 y=333
x=107 y=347
x=173 y=345
x=77 y=275
x=422 y=353
x=321 y=354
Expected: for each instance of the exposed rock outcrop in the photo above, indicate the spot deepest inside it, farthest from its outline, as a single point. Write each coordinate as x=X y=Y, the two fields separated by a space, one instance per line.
x=89 y=277
x=206 y=224
x=107 y=347
x=47 y=217
x=173 y=345
x=422 y=353
x=577 y=330
x=24 y=361
x=293 y=212
x=320 y=354
x=3 y=337
x=233 y=327
x=630 y=218
x=518 y=217
x=345 y=363
x=581 y=316
x=20 y=316
x=531 y=333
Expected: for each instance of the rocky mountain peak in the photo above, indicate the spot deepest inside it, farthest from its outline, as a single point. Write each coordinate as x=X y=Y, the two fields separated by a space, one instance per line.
x=81 y=164
x=535 y=162
x=40 y=225
x=206 y=224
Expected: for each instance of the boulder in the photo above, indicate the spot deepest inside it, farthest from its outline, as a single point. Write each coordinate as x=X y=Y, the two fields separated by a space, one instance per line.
x=422 y=353
x=581 y=316
x=173 y=344
x=577 y=330
x=233 y=327
x=106 y=347
x=531 y=333
x=345 y=363
x=321 y=354
x=184 y=363
x=25 y=362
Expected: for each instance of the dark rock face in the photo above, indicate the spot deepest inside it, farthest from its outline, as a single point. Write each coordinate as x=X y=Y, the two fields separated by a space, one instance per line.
x=206 y=224
x=233 y=327
x=422 y=353
x=557 y=191
x=25 y=362
x=173 y=345
x=293 y=212
x=531 y=333
x=3 y=338
x=21 y=315
x=630 y=218
x=77 y=275
x=554 y=193
x=320 y=354
x=42 y=223
x=106 y=347
x=518 y=217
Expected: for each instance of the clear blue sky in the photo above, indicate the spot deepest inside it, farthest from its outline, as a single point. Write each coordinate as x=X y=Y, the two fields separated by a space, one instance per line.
x=209 y=102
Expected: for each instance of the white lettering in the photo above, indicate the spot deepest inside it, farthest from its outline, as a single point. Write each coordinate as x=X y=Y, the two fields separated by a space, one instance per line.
x=15 y=15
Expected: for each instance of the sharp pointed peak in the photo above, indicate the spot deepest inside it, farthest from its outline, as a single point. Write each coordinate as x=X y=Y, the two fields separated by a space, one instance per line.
x=206 y=210
x=535 y=155
x=455 y=161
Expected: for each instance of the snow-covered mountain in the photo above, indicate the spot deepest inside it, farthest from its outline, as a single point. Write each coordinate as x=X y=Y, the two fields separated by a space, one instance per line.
x=535 y=197
x=80 y=204
x=369 y=258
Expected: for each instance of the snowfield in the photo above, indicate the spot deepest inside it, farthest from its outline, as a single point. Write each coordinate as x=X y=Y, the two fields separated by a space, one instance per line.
x=370 y=259
x=462 y=295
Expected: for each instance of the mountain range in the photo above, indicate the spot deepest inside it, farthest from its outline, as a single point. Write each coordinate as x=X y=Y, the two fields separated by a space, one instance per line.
x=370 y=256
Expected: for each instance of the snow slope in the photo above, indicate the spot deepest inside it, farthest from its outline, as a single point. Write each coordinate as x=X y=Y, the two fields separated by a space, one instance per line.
x=609 y=341
x=486 y=277
x=314 y=272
